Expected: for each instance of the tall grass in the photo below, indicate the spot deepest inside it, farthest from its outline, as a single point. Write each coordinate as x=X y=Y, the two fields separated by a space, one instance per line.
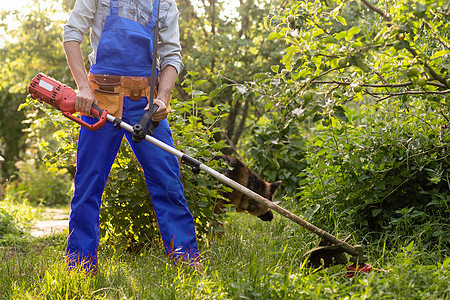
x=252 y=260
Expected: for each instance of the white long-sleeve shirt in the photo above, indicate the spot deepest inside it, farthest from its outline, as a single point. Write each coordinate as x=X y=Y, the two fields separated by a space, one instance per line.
x=91 y=14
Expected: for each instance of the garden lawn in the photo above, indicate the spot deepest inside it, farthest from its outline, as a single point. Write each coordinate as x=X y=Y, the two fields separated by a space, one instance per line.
x=252 y=260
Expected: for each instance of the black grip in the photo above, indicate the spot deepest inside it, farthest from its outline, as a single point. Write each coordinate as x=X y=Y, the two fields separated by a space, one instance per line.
x=192 y=162
x=154 y=124
x=152 y=127
x=96 y=111
x=155 y=109
x=143 y=127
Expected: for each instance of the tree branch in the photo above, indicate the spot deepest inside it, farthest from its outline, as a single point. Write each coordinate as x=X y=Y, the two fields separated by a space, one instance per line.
x=377 y=10
x=416 y=93
x=436 y=36
x=323 y=74
x=232 y=146
x=410 y=93
x=387 y=85
x=432 y=72
x=409 y=48
x=194 y=15
x=391 y=85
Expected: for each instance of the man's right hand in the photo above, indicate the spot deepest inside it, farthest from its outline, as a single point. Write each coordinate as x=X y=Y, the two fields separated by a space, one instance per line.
x=84 y=100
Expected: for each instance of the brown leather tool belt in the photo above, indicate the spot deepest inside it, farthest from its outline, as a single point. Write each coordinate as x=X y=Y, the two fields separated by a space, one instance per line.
x=109 y=91
x=136 y=86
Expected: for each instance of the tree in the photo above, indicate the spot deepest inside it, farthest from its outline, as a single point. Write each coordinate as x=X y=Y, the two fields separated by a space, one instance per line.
x=372 y=82
x=33 y=46
x=331 y=59
x=226 y=51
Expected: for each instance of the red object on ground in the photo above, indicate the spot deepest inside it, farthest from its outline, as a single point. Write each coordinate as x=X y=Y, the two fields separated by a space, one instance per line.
x=362 y=268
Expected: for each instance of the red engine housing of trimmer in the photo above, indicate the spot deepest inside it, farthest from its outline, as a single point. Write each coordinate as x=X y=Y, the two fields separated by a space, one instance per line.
x=48 y=90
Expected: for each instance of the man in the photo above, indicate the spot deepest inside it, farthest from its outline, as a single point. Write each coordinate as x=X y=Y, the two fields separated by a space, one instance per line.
x=122 y=38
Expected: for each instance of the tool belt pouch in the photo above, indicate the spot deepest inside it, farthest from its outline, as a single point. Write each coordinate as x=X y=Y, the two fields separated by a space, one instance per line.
x=137 y=86
x=106 y=91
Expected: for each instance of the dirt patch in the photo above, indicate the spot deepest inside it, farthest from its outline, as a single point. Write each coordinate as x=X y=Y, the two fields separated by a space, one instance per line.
x=53 y=221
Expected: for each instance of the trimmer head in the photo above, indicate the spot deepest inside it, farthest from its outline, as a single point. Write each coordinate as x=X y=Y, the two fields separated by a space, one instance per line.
x=328 y=254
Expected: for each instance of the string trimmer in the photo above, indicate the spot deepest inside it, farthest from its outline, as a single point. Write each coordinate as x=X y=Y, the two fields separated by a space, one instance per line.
x=331 y=250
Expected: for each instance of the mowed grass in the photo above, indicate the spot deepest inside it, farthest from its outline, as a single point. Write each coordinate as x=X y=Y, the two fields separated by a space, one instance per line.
x=252 y=260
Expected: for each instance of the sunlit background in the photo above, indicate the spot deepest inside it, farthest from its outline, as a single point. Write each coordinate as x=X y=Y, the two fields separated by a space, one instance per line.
x=18 y=4
x=229 y=12
x=14 y=4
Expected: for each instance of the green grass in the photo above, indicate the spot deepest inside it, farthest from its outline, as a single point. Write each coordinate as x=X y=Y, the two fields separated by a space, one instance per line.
x=253 y=260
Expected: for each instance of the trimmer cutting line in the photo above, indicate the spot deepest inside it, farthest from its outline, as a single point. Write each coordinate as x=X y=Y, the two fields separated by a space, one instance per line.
x=331 y=250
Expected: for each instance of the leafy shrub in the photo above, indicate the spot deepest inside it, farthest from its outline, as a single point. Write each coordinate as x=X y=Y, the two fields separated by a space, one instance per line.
x=387 y=175
x=276 y=151
x=15 y=220
x=45 y=173
x=7 y=225
x=40 y=183
x=382 y=169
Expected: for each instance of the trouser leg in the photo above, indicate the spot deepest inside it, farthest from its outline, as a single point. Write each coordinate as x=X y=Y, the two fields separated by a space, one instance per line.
x=162 y=175
x=96 y=152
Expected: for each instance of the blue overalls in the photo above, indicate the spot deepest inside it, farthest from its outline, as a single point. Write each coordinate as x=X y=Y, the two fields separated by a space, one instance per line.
x=125 y=48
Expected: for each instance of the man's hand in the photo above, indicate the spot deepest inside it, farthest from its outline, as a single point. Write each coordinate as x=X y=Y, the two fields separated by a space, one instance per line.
x=162 y=111
x=166 y=83
x=84 y=100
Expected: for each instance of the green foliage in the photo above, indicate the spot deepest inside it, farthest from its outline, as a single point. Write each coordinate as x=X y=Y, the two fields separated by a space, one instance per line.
x=51 y=137
x=226 y=50
x=193 y=124
x=10 y=131
x=15 y=221
x=278 y=153
x=377 y=169
x=384 y=173
x=32 y=46
x=343 y=51
x=39 y=184
x=8 y=227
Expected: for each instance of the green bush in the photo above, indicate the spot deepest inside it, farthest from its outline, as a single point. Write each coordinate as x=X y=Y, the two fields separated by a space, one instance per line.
x=276 y=151
x=40 y=183
x=385 y=171
x=15 y=220
x=7 y=225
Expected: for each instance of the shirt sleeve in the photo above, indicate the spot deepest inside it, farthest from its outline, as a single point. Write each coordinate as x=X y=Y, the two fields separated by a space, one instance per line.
x=169 y=47
x=80 y=20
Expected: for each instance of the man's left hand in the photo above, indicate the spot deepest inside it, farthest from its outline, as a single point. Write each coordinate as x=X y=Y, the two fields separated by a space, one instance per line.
x=162 y=111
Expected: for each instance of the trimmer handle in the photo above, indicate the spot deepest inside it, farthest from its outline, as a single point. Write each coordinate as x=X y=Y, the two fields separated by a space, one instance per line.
x=154 y=124
x=48 y=90
x=96 y=112
x=141 y=129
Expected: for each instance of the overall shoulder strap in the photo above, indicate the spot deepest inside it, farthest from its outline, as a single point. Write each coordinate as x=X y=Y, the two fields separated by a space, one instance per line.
x=114 y=7
x=143 y=128
x=155 y=15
